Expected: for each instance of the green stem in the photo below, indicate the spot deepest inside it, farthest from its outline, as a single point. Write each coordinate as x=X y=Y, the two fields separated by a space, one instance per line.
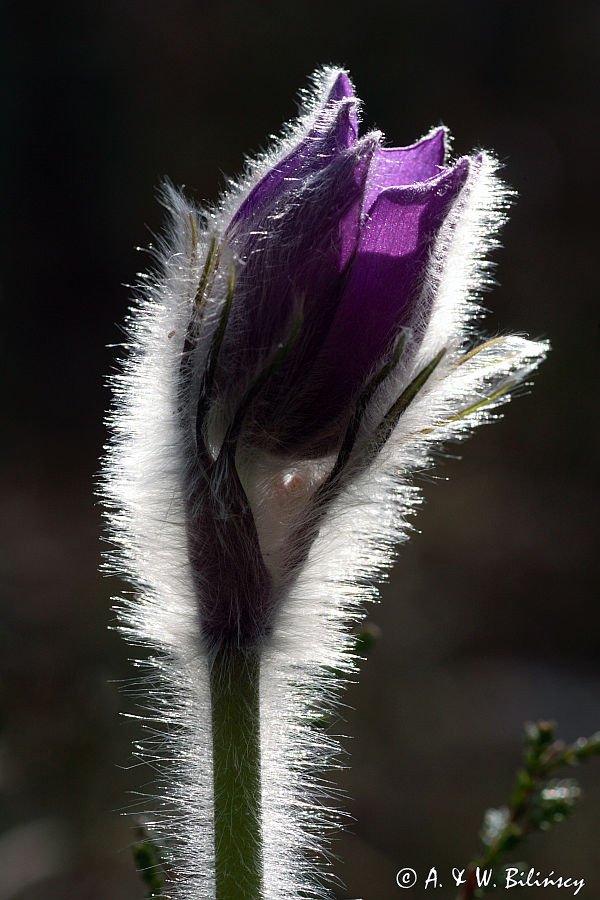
x=234 y=687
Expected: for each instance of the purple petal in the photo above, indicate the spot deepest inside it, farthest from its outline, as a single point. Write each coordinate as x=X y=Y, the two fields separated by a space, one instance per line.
x=392 y=253
x=382 y=285
x=335 y=129
x=296 y=263
x=405 y=165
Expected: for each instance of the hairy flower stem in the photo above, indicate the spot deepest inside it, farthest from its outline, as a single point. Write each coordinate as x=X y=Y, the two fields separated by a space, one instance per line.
x=234 y=687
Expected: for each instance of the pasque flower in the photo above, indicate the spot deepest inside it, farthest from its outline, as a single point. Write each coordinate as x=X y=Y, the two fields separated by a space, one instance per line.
x=304 y=347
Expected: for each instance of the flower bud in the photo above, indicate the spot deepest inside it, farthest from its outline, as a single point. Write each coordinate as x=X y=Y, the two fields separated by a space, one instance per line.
x=305 y=347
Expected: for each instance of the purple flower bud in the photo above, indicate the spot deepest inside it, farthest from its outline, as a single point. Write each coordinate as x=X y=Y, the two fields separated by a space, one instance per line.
x=333 y=243
x=340 y=233
x=304 y=349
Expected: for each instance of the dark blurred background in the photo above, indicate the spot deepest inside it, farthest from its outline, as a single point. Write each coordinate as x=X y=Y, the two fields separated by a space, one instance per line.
x=490 y=617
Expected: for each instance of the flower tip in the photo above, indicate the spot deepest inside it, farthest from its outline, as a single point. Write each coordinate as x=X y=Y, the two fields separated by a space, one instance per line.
x=339 y=101
x=346 y=123
x=454 y=175
x=483 y=160
x=340 y=87
x=439 y=139
x=369 y=144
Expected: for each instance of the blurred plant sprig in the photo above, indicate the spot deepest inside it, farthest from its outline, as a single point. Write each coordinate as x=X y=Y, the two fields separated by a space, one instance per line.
x=539 y=799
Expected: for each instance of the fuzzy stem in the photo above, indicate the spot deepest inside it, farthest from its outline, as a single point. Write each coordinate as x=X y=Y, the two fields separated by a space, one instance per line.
x=234 y=686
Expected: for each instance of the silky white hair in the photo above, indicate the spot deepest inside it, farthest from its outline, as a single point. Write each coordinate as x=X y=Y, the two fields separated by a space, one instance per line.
x=311 y=652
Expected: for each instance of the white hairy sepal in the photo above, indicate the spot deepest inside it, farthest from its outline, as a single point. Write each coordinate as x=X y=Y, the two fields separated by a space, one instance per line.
x=142 y=488
x=310 y=653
